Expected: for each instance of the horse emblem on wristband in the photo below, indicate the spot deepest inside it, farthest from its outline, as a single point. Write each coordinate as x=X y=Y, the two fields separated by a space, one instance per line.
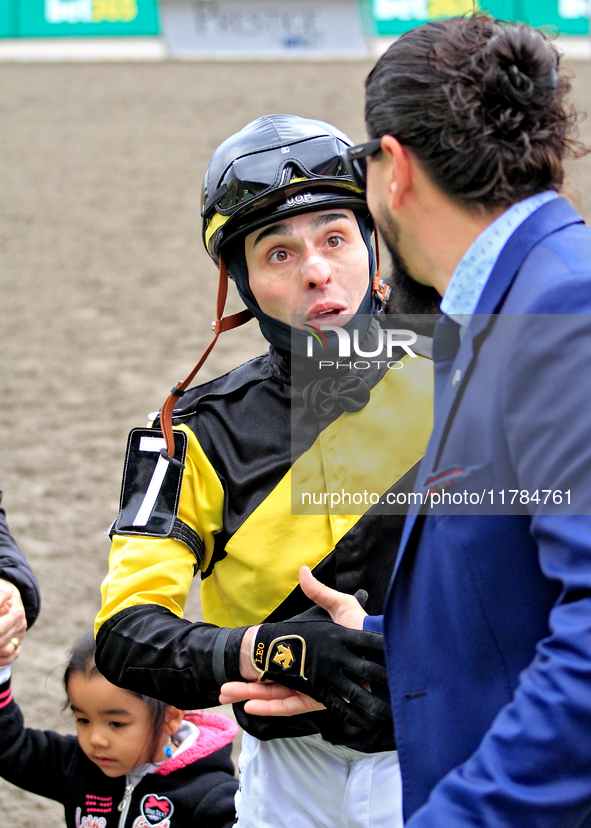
x=283 y=656
x=288 y=654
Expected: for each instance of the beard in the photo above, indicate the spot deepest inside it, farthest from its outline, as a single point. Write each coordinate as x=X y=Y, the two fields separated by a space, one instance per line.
x=408 y=296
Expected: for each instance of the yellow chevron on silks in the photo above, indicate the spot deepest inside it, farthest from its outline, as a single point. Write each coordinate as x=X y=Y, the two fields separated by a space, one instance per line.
x=368 y=450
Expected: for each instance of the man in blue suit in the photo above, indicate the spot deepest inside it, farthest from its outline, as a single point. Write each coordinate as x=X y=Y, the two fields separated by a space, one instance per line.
x=487 y=620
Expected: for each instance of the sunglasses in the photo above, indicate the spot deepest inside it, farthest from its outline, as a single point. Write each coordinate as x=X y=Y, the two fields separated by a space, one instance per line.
x=357 y=159
x=254 y=175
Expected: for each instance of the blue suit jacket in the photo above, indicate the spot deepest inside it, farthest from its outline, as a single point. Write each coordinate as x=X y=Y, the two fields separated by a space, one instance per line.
x=487 y=620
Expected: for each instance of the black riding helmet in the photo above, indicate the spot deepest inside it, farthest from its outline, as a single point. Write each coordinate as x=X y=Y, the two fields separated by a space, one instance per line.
x=277 y=166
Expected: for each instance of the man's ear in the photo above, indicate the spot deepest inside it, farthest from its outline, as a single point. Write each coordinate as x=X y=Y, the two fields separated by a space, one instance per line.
x=397 y=169
x=172 y=720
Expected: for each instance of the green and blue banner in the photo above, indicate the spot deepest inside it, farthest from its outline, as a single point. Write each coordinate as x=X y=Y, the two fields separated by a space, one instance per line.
x=393 y=17
x=71 y=18
x=204 y=25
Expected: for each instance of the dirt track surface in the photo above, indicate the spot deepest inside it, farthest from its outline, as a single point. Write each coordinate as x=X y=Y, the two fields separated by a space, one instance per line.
x=107 y=298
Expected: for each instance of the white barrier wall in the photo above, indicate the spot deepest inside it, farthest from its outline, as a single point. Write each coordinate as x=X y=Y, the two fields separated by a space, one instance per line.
x=251 y=29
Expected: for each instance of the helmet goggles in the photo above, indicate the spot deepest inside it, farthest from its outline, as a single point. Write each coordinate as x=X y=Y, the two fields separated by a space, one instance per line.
x=257 y=174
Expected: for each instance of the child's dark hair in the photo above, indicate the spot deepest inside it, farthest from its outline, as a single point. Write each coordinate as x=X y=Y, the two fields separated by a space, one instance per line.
x=82 y=661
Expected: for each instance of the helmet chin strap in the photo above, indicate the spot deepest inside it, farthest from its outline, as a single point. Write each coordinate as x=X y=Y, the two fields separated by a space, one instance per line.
x=220 y=325
x=381 y=291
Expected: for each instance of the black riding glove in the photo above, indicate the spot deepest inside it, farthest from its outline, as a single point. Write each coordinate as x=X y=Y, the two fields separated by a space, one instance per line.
x=313 y=655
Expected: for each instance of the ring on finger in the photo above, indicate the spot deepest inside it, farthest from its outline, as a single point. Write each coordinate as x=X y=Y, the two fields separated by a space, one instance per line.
x=15 y=643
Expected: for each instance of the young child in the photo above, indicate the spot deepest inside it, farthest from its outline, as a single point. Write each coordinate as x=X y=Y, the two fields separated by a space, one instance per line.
x=136 y=763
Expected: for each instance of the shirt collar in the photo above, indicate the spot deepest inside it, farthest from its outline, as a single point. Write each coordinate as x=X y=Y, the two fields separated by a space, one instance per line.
x=472 y=273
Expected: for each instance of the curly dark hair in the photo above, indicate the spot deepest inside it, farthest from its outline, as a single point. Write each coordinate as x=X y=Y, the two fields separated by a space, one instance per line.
x=482 y=104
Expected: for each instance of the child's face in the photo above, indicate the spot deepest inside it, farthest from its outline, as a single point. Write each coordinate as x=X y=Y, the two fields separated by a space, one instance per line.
x=114 y=727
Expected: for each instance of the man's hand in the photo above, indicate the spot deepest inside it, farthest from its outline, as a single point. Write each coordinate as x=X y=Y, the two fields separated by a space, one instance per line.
x=268 y=699
x=13 y=623
x=320 y=657
x=344 y=609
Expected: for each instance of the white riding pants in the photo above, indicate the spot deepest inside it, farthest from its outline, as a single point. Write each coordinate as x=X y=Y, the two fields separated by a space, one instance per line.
x=309 y=783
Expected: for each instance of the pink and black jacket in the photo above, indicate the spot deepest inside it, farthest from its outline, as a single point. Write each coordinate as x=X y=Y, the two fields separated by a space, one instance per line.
x=194 y=787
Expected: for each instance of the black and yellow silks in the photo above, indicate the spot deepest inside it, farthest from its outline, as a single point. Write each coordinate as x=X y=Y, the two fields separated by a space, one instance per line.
x=236 y=494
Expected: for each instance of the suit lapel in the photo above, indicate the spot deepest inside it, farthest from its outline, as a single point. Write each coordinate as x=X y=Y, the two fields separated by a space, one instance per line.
x=547 y=219
x=550 y=217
